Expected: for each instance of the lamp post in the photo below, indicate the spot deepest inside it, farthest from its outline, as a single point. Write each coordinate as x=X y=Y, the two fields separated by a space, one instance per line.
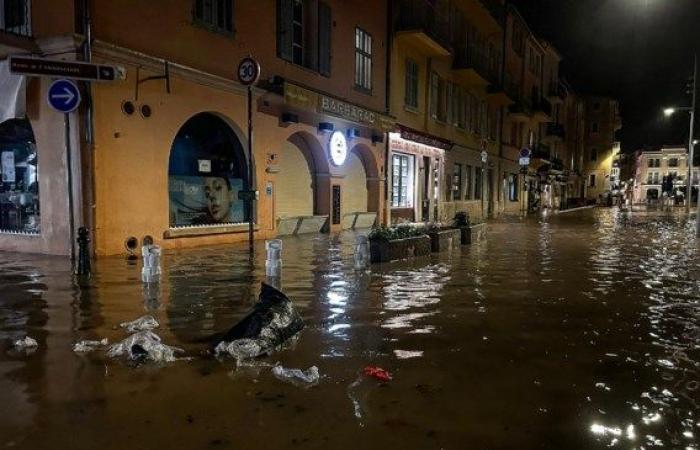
x=691 y=142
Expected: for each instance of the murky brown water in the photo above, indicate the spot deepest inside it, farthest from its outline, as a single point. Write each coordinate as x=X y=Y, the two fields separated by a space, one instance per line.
x=577 y=331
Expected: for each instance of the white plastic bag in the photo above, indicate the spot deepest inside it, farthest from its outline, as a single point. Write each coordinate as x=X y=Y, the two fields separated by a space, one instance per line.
x=296 y=376
x=88 y=346
x=144 y=345
x=141 y=324
x=26 y=344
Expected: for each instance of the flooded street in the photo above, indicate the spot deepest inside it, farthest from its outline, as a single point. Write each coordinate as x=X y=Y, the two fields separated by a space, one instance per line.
x=579 y=330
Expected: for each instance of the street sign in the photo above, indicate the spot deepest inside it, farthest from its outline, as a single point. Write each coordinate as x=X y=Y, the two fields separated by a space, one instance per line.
x=64 y=96
x=40 y=67
x=525 y=153
x=484 y=156
x=524 y=161
x=248 y=71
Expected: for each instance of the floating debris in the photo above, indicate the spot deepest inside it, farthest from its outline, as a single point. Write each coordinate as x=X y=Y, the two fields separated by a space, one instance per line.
x=141 y=324
x=308 y=378
x=143 y=346
x=88 y=346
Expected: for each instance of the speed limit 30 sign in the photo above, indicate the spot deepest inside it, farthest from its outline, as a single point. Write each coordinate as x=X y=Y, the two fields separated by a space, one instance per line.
x=248 y=71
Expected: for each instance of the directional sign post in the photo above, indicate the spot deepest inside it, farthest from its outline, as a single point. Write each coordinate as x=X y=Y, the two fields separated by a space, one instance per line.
x=41 y=67
x=64 y=97
x=248 y=74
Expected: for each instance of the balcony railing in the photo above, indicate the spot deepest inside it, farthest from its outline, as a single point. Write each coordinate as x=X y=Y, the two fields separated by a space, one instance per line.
x=471 y=58
x=426 y=17
x=15 y=17
x=556 y=130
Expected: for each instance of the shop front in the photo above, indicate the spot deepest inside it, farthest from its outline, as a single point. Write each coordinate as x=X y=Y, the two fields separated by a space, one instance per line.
x=415 y=173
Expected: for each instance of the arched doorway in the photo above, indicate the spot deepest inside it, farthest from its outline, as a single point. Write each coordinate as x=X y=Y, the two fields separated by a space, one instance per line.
x=207 y=169
x=355 y=192
x=19 y=182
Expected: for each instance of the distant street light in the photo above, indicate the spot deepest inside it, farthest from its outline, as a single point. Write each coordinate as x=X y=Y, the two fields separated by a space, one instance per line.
x=691 y=144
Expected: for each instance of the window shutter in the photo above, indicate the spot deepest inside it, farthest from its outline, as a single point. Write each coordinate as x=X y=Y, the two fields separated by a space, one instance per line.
x=324 y=39
x=285 y=14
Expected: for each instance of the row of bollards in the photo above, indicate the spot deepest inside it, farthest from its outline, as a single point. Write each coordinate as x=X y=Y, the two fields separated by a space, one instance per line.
x=151 y=254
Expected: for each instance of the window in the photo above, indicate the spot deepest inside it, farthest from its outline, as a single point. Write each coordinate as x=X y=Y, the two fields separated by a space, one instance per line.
x=594 y=154
x=457 y=182
x=514 y=134
x=411 y=97
x=15 y=16
x=19 y=179
x=596 y=106
x=477 y=184
x=650 y=177
x=656 y=178
x=402 y=181
x=215 y=15
x=438 y=98
x=206 y=172
x=363 y=59
x=591 y=180
x=595 y=127
x=673 y=162
x=304 y=34
x=468 y=194
x=513 y=187
x=462 y=108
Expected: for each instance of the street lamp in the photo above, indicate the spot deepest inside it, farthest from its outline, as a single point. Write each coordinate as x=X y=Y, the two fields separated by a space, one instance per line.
x=691 y=144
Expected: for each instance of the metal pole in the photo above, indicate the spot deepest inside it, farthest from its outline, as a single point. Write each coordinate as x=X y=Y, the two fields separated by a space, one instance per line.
x=689 y=181
x=69 y=181
x=251 y=199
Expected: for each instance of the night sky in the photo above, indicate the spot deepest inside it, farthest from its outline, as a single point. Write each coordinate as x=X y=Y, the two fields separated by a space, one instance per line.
x=638 y=51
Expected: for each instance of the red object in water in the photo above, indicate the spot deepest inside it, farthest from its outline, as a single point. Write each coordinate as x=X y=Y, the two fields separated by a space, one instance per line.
x=377 y=372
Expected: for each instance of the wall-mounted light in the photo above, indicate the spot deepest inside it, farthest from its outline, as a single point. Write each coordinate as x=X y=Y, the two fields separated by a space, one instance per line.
x=326 y=127
x=290 y=118
x=352 y=133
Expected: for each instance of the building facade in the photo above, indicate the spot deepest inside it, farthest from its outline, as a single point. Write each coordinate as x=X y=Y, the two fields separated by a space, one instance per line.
x=601 y=146
x=655 y=166
x=164 y=152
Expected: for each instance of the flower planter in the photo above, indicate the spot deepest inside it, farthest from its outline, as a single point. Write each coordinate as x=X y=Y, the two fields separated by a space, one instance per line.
x=444 y=240
x=473 y=234
x=386 y=251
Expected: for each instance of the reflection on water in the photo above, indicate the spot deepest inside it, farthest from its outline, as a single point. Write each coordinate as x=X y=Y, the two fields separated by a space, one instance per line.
x=577 y=330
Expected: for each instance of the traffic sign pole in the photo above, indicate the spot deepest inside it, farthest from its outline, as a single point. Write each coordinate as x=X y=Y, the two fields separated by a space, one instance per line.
x=248 y=74
x=69 y=181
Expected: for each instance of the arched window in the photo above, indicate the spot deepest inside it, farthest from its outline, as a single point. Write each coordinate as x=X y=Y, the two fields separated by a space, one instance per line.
x=207 y=169
x=19 y=178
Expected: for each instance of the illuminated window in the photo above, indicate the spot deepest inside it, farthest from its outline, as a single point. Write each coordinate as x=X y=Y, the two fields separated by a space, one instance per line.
x=402 y=181
x=457 y=182
x=513 y=187
x=19 y=179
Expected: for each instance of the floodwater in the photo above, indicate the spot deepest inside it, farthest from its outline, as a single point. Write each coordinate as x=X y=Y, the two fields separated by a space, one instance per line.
x=579 y=330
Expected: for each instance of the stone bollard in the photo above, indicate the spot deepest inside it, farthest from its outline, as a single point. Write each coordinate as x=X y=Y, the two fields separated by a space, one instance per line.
x=362 y=253
x=150 y=273
x=83 y=252
x=273 y=263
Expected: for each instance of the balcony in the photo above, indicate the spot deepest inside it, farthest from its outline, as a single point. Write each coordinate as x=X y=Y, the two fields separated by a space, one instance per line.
x=542 y=110
x=555 y=132
x=503 y=93
x=556 y=94
x=423 y=25
x=521 y=109
x=472 y=67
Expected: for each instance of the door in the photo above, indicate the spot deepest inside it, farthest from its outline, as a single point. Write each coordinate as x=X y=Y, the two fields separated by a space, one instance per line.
x=489 y=190
x=425 y=203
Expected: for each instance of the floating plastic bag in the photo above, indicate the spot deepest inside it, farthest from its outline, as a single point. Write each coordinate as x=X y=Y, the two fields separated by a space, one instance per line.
x=150 y=273
x=377 y=373
x=141 y=324
x=26 y=344
x=272 y=321
x=297 y=376
x=88 y=346
x=144 y=345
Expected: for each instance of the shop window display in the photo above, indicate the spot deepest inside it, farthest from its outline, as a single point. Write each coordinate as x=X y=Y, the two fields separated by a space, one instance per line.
x=19 y=178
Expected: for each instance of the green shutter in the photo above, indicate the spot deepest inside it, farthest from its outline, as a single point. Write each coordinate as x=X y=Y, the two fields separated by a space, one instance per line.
x=285 y=14
x=324 y=39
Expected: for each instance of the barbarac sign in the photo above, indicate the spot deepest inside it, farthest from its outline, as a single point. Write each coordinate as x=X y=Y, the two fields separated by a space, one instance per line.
x=347 y=111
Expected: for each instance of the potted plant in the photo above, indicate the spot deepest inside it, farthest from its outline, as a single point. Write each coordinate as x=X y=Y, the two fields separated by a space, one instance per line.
x=442 y=238
x=399 y=242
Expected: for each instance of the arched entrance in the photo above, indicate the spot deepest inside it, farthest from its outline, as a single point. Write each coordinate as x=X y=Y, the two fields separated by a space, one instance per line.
x=363 y=189
x=19 y=183
x=207 y=169
x=302 y=186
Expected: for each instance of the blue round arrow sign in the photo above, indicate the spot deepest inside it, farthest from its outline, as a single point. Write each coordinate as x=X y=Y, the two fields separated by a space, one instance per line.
x=64 y=96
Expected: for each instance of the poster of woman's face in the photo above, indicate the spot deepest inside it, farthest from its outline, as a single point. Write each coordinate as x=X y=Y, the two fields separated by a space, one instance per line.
x=205 y=200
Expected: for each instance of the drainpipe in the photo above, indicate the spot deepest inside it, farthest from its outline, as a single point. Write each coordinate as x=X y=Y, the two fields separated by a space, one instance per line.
x=387 y=107
x=88 y=175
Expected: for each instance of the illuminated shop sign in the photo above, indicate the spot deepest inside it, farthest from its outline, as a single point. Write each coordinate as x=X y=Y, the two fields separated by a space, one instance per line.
x=338 y=148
